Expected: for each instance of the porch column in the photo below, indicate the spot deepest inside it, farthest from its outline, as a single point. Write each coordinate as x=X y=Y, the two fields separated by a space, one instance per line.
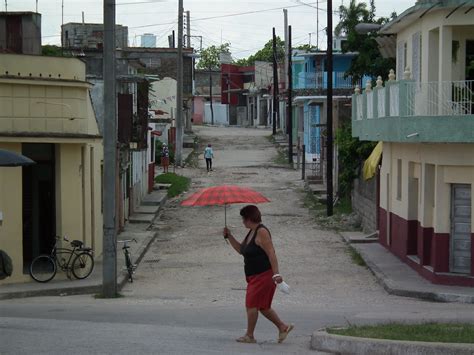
x=445 y=67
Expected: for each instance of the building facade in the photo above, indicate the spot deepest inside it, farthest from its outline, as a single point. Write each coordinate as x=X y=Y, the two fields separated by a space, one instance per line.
x=90 y=35
x=425 y=118
x=310 y=83
x=47 y=115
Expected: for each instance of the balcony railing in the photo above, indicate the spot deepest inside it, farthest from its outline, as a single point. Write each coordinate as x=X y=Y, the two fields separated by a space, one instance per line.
x=407 y=98
x=319 y=80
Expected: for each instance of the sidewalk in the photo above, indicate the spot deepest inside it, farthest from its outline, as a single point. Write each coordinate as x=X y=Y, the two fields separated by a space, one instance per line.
x=401 y=280
x=61 y=286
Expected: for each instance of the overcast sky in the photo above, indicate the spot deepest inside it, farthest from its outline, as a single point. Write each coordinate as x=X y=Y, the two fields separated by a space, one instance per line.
x=247 y=33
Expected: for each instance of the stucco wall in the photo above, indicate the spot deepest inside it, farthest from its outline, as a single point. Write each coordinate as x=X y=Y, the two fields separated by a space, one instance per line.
x=11 y=229
x=453 y=163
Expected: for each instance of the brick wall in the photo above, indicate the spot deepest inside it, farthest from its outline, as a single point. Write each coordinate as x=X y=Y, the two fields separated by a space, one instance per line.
x=364 y=202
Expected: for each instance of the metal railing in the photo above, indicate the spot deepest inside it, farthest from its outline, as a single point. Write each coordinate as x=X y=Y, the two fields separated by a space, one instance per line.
x=407 y=98
x=319 y=80
x=444 y=98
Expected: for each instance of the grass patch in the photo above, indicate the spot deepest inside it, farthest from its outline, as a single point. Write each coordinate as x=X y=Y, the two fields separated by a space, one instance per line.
x=430 y=332
x=339 y=221
x=356 y=257
x=281 y=157
x=179 y=183
x=271 y=138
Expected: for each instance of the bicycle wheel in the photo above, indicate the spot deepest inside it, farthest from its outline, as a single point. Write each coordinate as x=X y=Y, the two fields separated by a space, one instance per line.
x=129 y=264
x=43 y=268
x=82 y=265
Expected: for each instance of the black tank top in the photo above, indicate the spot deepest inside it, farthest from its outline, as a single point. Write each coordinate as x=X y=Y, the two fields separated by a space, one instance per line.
x=255 y=259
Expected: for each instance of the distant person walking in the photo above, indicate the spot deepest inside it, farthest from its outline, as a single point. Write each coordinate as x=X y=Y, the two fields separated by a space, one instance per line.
x=208 y=155
x=261 y=271
x=165 y=157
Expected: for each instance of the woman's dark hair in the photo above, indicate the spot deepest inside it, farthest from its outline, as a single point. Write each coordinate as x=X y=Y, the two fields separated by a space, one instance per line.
x=251 y=213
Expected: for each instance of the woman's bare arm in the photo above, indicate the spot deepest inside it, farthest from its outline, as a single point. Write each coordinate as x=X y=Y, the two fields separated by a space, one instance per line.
x=235 y=244
x=264 y=241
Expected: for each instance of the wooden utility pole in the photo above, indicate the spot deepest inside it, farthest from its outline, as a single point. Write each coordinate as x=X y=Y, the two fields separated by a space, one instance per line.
x=275 y=83
x=290 y=101
x=109 y=271
x=329 y=130
x=179 y=89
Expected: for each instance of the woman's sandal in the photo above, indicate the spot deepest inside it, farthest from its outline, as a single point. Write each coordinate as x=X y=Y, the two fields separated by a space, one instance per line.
x=282 y=336
x=246 y=339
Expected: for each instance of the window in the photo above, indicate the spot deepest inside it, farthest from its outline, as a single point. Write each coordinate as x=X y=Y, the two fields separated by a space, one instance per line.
x=399 y=179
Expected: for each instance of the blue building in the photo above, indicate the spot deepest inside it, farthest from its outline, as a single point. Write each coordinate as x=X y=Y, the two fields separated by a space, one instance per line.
x=310 y=82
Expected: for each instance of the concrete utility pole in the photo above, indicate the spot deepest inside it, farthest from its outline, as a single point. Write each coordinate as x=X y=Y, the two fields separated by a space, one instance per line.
x=188 y=29
x=290 y=101
x=285 y=14
x=179 y=91
x=329 y=147
x=109 y=283
x=210 y=96
x=275 y=83
x=188 y=126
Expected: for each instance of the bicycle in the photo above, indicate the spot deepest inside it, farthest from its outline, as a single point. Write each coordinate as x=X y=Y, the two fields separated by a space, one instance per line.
x=129 y=265
x=77 y=261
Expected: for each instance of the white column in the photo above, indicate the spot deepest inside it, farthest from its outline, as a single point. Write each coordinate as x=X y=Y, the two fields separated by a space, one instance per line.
x=445 y=67
x=445 y=53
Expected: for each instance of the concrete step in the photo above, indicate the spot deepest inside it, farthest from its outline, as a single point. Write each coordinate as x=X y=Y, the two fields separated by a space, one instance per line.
x=156 y=198
x=141 y=218
x=161 y=186
x=360 y=237
x=147 y=210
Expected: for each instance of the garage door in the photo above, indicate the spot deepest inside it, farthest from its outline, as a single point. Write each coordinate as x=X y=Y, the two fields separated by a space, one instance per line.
x=460 y=258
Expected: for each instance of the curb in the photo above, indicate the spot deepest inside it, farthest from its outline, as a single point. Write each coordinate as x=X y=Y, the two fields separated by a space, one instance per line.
x=339 y=344
x=392 y=289
x=122 y=277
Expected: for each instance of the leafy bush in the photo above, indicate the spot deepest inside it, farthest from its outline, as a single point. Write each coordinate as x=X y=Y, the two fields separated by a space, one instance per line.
x=352 y=153
x=179 y=183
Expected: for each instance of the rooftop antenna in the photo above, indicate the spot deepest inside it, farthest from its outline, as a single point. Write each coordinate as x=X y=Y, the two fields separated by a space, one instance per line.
x=6 y=5
x=36 y=6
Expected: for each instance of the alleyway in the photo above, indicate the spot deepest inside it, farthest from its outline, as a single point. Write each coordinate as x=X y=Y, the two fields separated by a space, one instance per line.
x=188 y=296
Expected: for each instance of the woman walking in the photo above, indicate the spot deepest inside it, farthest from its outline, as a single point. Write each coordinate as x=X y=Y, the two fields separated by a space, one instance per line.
x=165 y=157
x=261 y=271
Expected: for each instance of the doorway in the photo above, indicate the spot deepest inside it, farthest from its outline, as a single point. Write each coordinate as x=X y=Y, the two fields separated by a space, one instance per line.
x=460 y=250
x=39 y=202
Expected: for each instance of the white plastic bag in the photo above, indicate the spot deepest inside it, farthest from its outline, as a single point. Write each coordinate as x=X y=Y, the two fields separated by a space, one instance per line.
x=283 y=287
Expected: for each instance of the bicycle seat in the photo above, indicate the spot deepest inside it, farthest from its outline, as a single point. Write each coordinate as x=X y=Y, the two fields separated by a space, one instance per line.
x=77 y=243
x=85 y=249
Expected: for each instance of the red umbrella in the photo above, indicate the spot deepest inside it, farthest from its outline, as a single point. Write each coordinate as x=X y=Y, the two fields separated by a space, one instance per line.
x=224 y=195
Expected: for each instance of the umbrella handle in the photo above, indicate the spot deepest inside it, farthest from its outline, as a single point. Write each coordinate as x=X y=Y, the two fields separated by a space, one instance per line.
x=225 y=220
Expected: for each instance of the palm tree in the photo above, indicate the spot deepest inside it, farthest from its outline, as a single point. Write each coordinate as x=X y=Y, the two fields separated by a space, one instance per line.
x=350 y=16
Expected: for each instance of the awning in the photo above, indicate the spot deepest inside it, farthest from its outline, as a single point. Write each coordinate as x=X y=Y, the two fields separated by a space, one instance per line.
x=370 y=165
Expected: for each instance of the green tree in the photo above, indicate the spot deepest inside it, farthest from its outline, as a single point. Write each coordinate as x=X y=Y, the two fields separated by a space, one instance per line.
x=265 y=54
x=369 y=61
x=210 y=56
x=51 y=50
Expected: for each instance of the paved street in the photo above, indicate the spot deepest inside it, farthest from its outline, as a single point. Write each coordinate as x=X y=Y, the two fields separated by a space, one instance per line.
x=188 y=297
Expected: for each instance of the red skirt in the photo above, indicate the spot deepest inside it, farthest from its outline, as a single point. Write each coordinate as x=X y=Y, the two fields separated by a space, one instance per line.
x=165 y=161
x=260 y=290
